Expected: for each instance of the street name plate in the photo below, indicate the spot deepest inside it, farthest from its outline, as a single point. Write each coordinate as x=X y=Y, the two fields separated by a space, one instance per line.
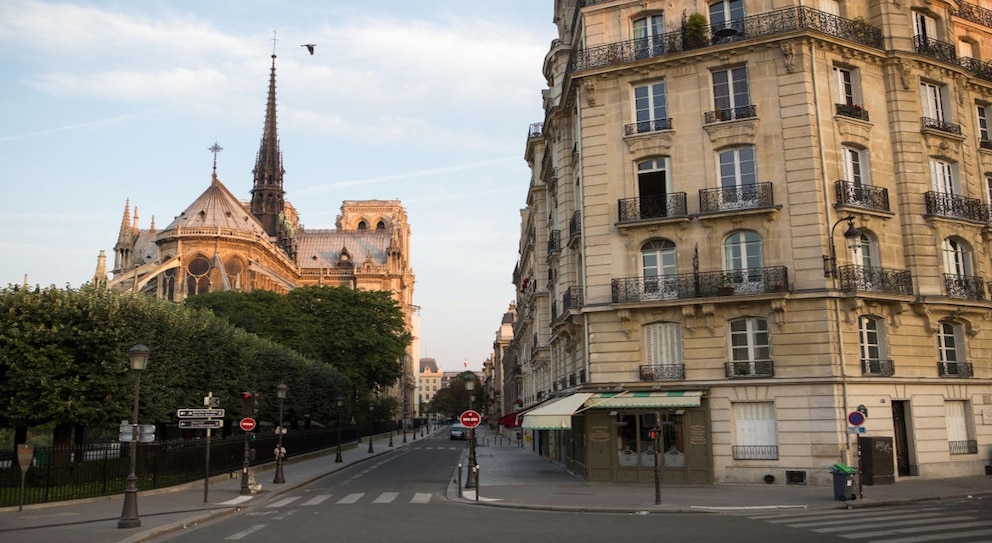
x=200 y=424
x=199 y=413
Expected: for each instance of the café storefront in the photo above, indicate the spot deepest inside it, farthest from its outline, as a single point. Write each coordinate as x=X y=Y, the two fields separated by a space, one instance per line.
x=613 y=436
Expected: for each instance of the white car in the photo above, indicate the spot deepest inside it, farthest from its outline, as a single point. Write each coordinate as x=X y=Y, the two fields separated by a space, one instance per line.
x=458 y=432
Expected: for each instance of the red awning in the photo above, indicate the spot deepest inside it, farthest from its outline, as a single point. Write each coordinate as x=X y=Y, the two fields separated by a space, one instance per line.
x=510 y=421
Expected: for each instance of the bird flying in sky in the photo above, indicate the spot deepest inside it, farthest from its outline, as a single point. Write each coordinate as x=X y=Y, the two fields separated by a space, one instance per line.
x=309 y=46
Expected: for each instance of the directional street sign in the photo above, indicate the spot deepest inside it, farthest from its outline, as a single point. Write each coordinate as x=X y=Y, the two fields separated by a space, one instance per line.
x=199 y=413
x=200 y=423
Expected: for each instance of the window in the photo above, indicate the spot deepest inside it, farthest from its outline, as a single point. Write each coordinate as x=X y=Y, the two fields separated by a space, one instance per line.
x=731 y=97
x=727 y=20
x=943 y=178
x=957 y=257
x=848 y=87
x=982 y=115
x=652 y=188
x=198 y=276
x=871 y=335
x=949 y=346
x=650 y=35
x=755 y=432
x=743 y=262
x=924 y=26
x=867 y=252
x=651 y=109
x=959 y=437
x=856 y=166
x=663 y=350
x=830 y=6
x=749 y=348
x=659 y=271
x=738 y=178
x=934 y=102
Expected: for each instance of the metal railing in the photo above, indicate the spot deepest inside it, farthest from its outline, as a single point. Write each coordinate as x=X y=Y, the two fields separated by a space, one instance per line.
x=755 y=452
x=651 y=207
x=554 y=242
x=730 y=114
x=951 y=205
x=699 y=285
x=851 y=110
x=735 y=198
x=575 y=225
x=662 y=372
x=644 y=127
x=935 y=49
x=855 y=278
x=745 y=369
x=975 y=14
x=877 y=367
x=861 y=195
x=967 y=287
x=940 y=125
x=955 y=369
x=969 y=446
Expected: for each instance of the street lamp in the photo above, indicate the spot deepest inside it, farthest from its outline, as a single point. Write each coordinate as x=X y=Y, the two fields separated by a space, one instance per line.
x=470 y=481
x=371 y=425
x=129 y=514
x=281 y=390
x=853 y=237
x=339 y=401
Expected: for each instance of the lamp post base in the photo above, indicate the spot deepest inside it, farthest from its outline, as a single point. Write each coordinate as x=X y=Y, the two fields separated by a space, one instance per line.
x=337 y=458
x=279 y=479
x=129 y=513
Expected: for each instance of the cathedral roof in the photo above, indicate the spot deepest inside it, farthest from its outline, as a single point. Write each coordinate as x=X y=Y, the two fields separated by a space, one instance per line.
x=322 y=248
x=218 y=208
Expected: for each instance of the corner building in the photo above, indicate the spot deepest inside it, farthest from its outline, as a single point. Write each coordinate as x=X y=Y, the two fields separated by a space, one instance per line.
x=747 y=220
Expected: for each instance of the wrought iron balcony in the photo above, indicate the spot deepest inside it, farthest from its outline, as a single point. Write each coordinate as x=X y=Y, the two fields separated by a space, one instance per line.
x=864 y=279
x=651 y=207
x=730 y=114
x=936 y=49
x=861 y=195
x=940 y=126
x=736 y=198
x=662 y=372
x=981 y=70
x=685 y=286
x=575 y=225
x=747 y=369
x=643 y=127
x=955 y=369
x=755 y=452
x=975 y=14
x=572 y=299
x=852 y=110
x=954 y=206
x=877 y=367
x=967 y=287
x=754 y=26
x=969 y=446
x=535 y=130
x=554 y=242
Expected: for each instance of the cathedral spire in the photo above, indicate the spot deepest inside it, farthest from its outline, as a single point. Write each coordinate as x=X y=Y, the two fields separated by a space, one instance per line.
x=267 y=196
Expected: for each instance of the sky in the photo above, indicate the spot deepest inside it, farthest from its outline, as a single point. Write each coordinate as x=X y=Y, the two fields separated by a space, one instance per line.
x=426 y=101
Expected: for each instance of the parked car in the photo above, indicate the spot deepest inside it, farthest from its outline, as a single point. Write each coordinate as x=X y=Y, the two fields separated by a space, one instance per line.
x=459 y=432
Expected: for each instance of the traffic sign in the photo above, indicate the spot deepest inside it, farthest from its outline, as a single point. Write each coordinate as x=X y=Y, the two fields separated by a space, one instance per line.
x=470 y=418
x=856 y=418
x=247 y=424
x=199 y=413
x=200 y=423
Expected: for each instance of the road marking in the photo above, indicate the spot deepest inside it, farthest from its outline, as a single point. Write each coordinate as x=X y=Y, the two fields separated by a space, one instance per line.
x=236 y=501
x=245 y=533
x=386 y=497
x=283 y=502
x=317 y=500
x=351 y=498
x=421 y=497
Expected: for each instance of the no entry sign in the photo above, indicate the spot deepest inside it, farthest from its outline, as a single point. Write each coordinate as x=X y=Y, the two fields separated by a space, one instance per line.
x=470 y=419
x=247 y=424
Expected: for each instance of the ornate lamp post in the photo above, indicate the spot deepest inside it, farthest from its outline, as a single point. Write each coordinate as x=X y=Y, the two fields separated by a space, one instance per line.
x=281 y=390
x=339 y=401
x=470 y=481
x=371 y=425
x=853 y=237
x=138 y=355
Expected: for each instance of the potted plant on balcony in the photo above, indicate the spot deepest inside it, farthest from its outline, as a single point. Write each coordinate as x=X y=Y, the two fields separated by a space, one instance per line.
x=694 y=32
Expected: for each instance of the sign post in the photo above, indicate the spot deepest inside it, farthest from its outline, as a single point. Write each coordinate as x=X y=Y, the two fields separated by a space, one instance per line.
x=25 y=455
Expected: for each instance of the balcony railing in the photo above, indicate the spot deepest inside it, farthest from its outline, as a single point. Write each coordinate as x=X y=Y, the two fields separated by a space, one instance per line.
x=755 y=26
x=975 y=14
x=936 y=49
x=736 y=198
x=651 y=207
x=852 y=110
x=643 y=127
x=861 y=195
x=554 y=242
x=885 y=281
x=951 y=205
x=877 y=367
x=535 y=130
x=967 y=287
x=955 y=369
x=755 y=452
x=982 y=70
x=575 y=225
x=730 y=114
x=940 y=125
x=747 y=369
x=662 y=372
x=572 y=299
x=699 y=285
x=963 y=447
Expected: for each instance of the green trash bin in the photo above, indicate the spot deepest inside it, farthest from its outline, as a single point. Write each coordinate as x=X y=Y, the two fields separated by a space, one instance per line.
x=843 y=482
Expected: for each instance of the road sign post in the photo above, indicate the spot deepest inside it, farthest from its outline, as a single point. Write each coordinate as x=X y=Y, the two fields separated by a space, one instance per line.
x=470 y=418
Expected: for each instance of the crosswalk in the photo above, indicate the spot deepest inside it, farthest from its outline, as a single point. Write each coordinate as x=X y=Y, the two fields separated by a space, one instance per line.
x=351 y=499
x=921 y=524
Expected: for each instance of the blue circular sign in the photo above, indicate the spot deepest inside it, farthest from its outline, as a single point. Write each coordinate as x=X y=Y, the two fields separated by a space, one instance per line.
x=856 y=418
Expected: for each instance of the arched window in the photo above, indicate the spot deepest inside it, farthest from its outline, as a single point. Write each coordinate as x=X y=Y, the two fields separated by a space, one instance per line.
x=743 y=263
x=380 y=225
x=198 y=276
x=233 y=268
x=659 y=270
x=957 y=257
x=362 y=225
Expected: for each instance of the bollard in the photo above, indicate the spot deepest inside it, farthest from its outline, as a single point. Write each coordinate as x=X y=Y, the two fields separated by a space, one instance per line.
x=459 y=479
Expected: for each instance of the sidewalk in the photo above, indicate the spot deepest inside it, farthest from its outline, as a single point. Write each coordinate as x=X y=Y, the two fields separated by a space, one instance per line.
x=509 y=476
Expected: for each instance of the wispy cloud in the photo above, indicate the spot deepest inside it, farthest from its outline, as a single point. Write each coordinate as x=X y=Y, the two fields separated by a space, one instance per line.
x=75 y=126
x=407 y=175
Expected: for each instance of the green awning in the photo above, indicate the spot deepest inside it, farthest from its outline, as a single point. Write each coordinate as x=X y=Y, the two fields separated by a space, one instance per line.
x=556 y=414
x=650 y=399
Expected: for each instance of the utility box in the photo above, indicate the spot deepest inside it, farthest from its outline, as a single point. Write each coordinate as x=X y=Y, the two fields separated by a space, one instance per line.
x=877 y=460
x=843 y=481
